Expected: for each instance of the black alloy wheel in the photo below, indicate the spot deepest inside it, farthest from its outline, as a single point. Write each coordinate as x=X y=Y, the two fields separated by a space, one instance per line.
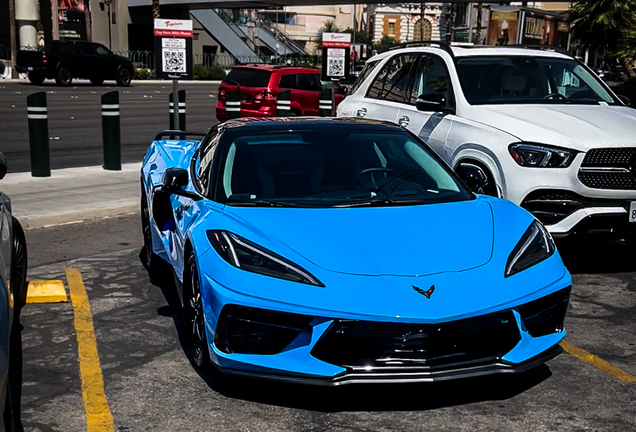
x=194 y=319
x=19 y=260
x=477 y=179
x=64 y=76
x=97 y=81
x=36 y=78
x=148 y=255
x=124 y=77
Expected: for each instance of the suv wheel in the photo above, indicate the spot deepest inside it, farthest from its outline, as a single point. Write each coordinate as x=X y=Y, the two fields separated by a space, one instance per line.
x=64 y=76
x=477 y=178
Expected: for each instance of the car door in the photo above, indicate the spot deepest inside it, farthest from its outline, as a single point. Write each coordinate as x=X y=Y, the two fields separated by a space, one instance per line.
x=84 y=62
x=105 y=65
x=307 y=92
x=429 y=76
x=389 y=89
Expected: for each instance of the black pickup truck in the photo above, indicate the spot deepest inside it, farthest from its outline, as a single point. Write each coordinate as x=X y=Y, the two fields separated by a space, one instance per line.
x=66 y=60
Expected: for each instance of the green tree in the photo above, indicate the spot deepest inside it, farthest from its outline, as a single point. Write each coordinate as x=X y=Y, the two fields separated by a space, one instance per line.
x=606 y=25
x=328 y=27
x=357 y=36
x=384 y=44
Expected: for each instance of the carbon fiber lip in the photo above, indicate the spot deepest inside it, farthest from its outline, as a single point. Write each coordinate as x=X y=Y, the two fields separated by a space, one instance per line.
x=406 y=377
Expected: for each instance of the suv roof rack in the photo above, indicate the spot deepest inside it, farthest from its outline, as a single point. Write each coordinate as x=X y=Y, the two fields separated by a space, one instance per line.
x=443 y=45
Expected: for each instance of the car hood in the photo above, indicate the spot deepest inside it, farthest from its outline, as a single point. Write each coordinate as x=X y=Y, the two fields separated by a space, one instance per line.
x=580 y=127
x=400 y=241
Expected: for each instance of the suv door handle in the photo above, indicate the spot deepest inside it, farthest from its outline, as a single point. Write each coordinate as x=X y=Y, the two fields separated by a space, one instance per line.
x=361 y=112
x=404 y=121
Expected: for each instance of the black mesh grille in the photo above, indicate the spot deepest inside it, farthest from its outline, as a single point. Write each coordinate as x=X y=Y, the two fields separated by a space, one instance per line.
x=609 y=158
x=552 y=206
x=249 y=330
x=352 y=343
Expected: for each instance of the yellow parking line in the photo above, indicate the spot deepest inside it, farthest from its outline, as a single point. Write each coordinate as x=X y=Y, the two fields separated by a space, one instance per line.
x=98 y=416
x=597 y=362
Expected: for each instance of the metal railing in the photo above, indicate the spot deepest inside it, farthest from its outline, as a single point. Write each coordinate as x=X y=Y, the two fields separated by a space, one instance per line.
x=139 y=59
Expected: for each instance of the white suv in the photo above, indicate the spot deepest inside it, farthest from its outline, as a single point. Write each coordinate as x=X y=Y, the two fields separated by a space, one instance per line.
x=534 y=126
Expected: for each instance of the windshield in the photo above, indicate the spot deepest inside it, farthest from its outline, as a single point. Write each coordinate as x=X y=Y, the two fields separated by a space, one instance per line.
x=528 y=80
x=334 y=169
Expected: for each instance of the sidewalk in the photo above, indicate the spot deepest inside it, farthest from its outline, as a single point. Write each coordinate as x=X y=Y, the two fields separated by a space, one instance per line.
x=73 y=194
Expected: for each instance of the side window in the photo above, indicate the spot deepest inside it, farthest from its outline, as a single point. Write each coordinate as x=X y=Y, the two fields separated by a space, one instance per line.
x=368 y=68
x=287 y=81
x=393 y=81
x=430 y=76
x=102 y=51
x=86 y=48
x=308 y=82
x=206 y=156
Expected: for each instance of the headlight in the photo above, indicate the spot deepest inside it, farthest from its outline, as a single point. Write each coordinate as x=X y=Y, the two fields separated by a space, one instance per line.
x=535 y=246
x=541 y=156
x=250 y=257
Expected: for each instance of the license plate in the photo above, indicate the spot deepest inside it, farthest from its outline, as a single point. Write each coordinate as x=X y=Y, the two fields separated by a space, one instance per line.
x=632 y=211
x=29 y=68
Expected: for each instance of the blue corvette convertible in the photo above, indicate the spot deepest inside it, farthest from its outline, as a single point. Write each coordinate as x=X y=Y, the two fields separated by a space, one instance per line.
x=337 y=251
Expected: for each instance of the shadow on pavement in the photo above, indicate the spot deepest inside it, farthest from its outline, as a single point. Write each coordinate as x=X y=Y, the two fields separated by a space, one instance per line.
x=594 y=255
x=12 y=410
x=395 y=397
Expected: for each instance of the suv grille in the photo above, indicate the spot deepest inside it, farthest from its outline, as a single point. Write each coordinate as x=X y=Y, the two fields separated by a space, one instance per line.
x=552 y=206
x=609 y=168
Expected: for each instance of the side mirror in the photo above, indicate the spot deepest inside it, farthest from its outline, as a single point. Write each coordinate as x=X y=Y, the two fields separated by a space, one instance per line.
x=3 y=166
x=431 y=102
x=473 y=176
x=174 y=181
x=625 y=100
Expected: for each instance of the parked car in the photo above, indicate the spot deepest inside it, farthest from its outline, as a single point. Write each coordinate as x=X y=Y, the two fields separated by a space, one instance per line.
x=13 y=292
x=339 y=251
x=259 y=86
x=66 y=60
x=533 y=126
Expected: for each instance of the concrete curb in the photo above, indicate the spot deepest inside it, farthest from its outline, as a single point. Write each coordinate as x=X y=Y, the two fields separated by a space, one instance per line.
x=30 y=222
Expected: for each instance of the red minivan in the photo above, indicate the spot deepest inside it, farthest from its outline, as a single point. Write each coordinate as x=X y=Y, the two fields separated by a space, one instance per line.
x=259 y=86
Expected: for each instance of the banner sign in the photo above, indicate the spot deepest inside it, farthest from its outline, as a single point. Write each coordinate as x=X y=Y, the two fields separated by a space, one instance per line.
x=71 y=19
x=173 y=49
x=336 y=56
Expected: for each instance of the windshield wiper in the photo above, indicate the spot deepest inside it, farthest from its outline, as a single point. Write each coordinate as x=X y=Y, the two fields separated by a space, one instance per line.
x=385 y=203
x=262 y=203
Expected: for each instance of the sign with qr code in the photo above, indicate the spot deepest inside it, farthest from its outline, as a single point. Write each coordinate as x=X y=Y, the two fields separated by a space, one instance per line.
x=335 y=52
x=173 y=49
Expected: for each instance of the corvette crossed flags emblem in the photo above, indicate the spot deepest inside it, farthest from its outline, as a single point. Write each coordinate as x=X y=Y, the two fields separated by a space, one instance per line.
x=428 y=293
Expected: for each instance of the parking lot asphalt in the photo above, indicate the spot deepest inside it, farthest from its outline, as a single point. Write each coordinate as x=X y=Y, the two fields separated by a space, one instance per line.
x=150 y=384
x=75 y=124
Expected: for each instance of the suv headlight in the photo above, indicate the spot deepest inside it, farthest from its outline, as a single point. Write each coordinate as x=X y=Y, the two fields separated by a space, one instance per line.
x=541 y=156
x=248 y=256
x=535 y=246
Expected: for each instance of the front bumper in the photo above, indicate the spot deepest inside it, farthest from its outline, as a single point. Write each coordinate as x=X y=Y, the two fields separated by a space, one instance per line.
x=307 y=349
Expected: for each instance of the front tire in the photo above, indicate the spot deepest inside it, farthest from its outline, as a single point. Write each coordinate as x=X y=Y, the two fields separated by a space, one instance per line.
x=477 y=178
x=194 y=320
x=124 y=77
x=19 y=260
x=64 y=76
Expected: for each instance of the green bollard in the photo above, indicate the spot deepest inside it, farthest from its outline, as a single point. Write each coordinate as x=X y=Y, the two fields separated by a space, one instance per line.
x=111 y=132
x=324 y=105
x=38 y=135
x=233 y=105
x=283 y=104
x=182 y=110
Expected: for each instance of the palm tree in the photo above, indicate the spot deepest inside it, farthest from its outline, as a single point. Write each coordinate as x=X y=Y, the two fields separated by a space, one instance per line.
x=155 y=9
x=328 y=27
x=451 y=23
x=480 y=10
x=606 y=25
